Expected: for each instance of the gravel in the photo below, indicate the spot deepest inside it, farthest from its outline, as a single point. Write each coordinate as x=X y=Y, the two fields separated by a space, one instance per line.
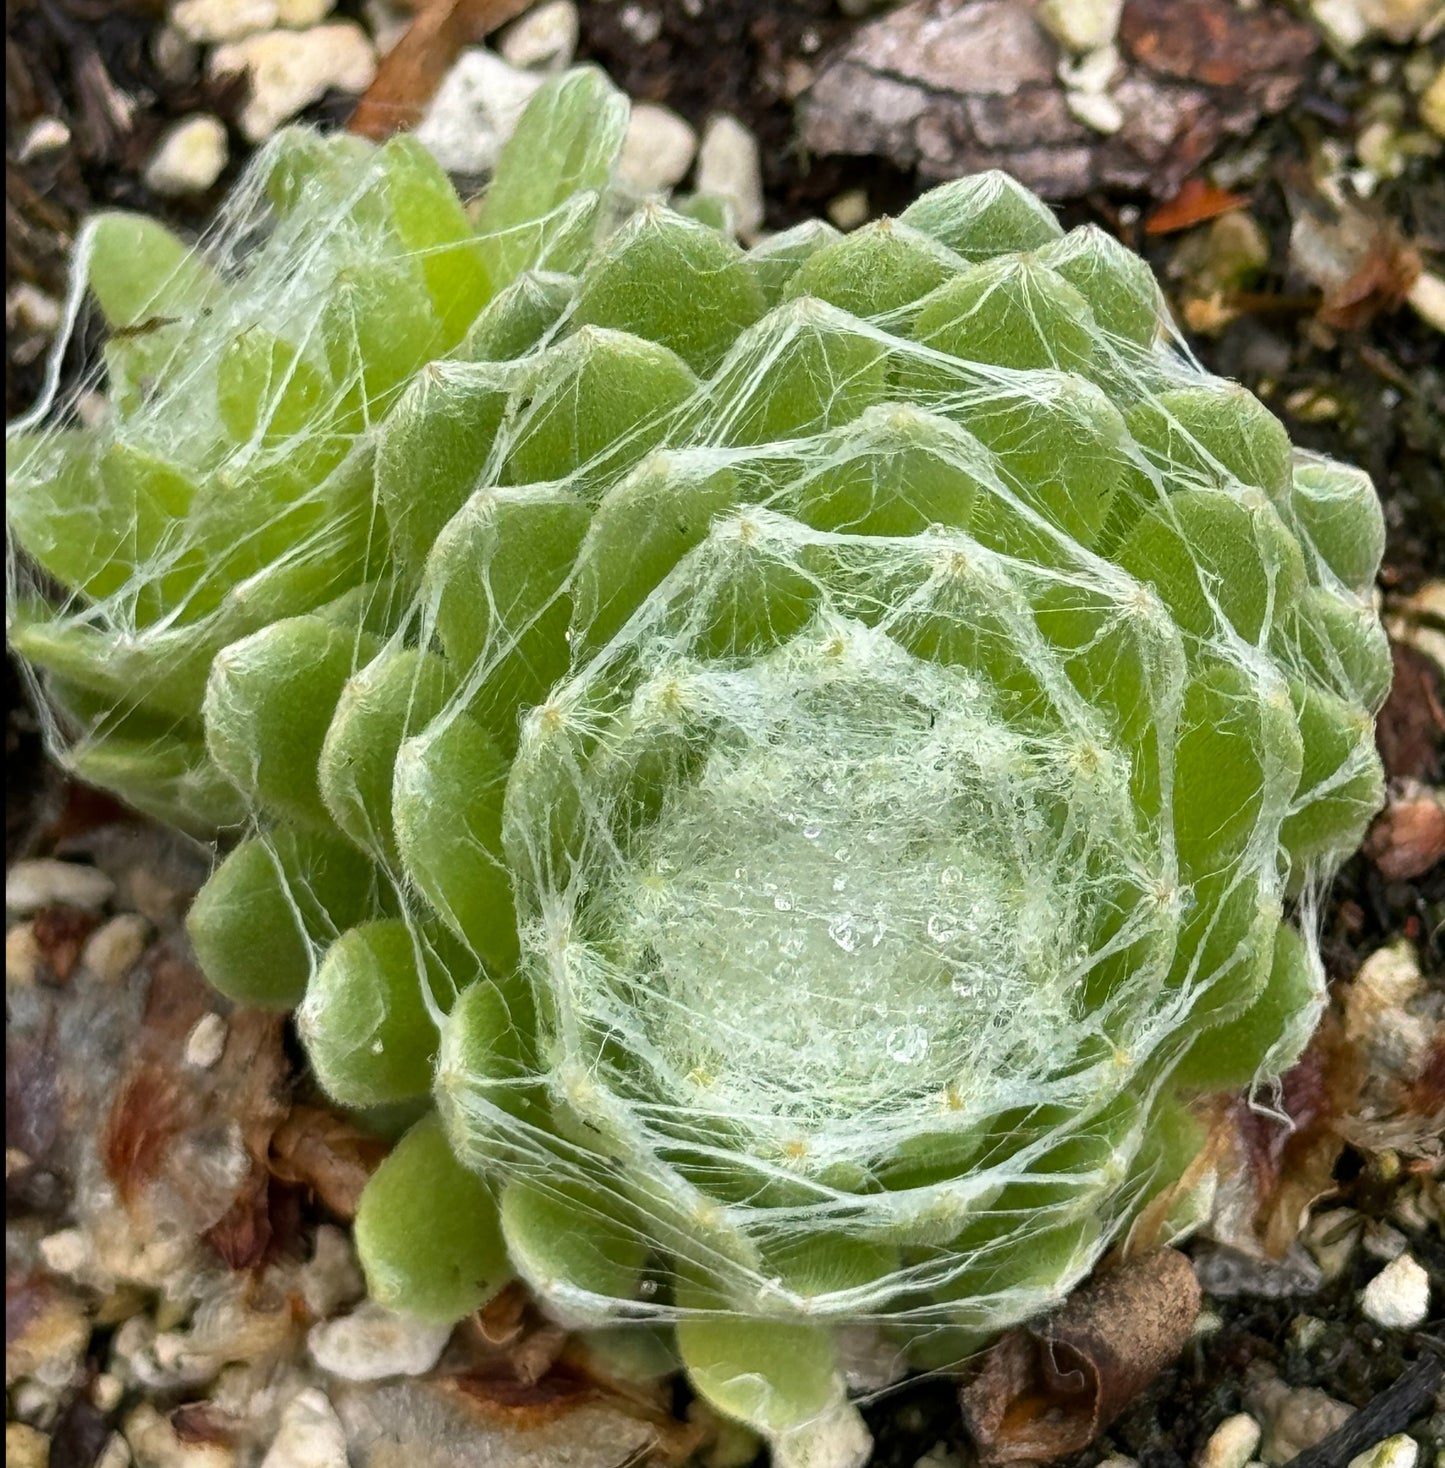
x=1399 y=1295
x=45 y=882
x=190 y=158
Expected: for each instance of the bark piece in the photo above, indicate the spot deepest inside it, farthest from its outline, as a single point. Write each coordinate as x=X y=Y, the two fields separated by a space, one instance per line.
x=955 y=86
x=1408 y=838
x=1049 y=1389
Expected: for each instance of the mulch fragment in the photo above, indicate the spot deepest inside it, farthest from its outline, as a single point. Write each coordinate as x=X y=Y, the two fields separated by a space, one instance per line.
x=950 y=88
x=412 y=70
x=1197 y=201
x=1050 y=1389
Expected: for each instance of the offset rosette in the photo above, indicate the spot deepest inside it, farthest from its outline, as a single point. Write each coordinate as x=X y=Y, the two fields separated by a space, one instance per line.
x=812 y=758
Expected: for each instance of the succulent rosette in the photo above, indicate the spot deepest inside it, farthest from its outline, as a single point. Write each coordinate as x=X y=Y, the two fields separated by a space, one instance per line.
x=810 y=757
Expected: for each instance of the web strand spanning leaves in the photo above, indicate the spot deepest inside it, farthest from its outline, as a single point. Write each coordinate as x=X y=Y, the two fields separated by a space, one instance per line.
x=804 y=754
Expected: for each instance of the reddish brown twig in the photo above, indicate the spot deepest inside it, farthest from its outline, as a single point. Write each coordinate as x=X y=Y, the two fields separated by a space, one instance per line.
x=412 y=70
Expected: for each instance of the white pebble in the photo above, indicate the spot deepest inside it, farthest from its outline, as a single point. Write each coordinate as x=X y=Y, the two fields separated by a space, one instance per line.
x=176 y=56
x=837 y=1438
x=115 y=947
x=1096 y=110
x=658 y=149
x=211 y=22
x=474 y=111
x=289 y=70
x=729 y=167
x=1293 y=1418
x=1399 y=1295
x=310 y=1435
x=46 y=135
x=641 y=23
x=23 y=958
x=25 y=1447
x=301 y=15
x=107 y=1392
x=155 y=1443
x=1232 y=1443
x=1399 y=1451
x=544 y=39
x=1091 y=72
x=332 y=1278
x=849 y=209
x=371 y=1344
x=29 y=309
x=1427 y=297
x=206 y=1042
x=940 y=1455
x=68 y=1252
x=1432 y=104
x=116 y=1452
x=1081 y=25
x=45 y=882
x=190 y=157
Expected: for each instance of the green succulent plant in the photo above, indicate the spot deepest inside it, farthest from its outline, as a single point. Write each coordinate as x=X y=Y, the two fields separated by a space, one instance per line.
x=812 y=757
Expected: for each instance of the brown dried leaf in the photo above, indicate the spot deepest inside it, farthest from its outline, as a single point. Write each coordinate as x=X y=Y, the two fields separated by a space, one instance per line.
x=412 y=70
x=316 y=1149
x=1292 y=1150
x=1408 y=837
x=1355 y=256
x=1048 y=1390
x=954 y=86
x=168 y=1142
x=1195 y=202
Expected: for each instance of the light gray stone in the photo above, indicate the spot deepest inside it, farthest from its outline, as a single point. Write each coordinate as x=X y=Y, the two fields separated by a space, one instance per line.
x=190 y=157
x=729 y=167
x=474 y=111
x=206 y=1042
x=658 y=149
x=1232 y=1443
x=45 y=882
x=372 y=1344
x=310 y=1435
x=1399 y=1451
x=543 y=39
x=1082 y=25
x=214 y=22
x=115 y=947
x=289 y=70
x=1399 y=1295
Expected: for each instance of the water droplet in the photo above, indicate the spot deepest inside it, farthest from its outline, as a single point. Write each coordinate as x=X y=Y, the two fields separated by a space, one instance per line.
x=812 y=832
x=907 y=1044
x=843 y=930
